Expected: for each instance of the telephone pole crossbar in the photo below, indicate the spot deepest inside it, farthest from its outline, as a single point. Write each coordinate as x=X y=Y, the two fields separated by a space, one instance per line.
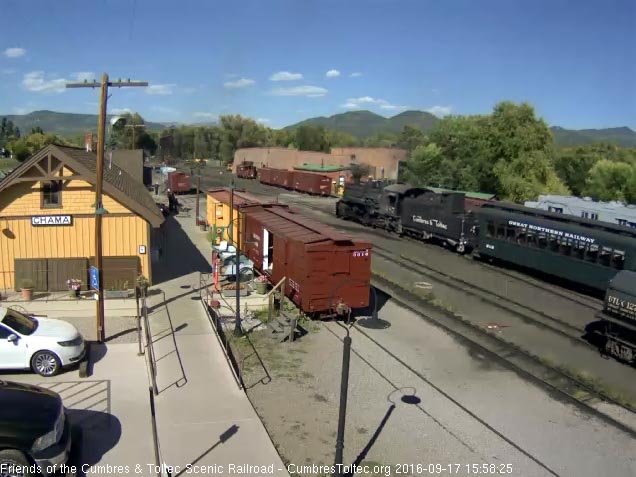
x=99 y=208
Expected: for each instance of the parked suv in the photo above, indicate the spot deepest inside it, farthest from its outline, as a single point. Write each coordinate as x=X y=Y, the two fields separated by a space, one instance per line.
x=35 y=433
x=43 y=344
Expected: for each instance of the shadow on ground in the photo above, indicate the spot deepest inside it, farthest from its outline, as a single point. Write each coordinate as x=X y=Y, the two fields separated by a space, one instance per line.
x=94 y=433
x=179 y=255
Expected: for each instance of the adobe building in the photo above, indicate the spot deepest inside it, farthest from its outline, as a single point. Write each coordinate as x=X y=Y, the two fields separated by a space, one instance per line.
x=47 y=223
x=384 y=162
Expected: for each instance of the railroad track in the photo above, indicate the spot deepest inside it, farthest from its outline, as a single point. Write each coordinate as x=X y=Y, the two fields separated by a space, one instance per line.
x=524 y=312
x=508 y=354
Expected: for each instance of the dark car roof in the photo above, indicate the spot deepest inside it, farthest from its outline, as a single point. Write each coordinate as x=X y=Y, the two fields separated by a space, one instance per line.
x=28 y=406
x=624 y=281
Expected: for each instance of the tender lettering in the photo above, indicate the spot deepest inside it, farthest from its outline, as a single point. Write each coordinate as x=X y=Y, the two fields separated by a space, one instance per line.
x=431 y=222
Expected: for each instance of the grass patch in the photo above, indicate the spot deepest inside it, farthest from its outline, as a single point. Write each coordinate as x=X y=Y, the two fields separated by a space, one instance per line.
x=7 y=164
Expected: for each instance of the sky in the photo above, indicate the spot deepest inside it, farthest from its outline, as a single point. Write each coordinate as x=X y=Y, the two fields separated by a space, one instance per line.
x=282 y=61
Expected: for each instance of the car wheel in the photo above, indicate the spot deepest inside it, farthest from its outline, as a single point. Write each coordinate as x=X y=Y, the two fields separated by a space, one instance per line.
x=13 y=460
x=45 y=363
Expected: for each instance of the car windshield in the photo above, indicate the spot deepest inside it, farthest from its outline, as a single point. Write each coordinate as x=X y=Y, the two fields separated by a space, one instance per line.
x=20 y=323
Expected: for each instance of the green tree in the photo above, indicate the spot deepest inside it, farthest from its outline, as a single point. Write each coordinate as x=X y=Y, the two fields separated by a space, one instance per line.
x=609 y=180
x=37 y=130
x=410 y=138
x=426 y=166
x=527 y=176
x=24 y=147
x=312 y=138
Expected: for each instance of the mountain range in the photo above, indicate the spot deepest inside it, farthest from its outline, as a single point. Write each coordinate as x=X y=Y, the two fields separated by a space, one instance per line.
x=360 y=124
x=363 y=124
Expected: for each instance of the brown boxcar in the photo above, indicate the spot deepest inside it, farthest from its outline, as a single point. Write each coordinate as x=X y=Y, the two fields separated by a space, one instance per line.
x=179 y=182
x=265 y=175
x=323 y=267
x=311 y=183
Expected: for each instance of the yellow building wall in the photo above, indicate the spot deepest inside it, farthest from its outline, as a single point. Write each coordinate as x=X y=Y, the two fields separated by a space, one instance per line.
x=121 y=234
x=218 y=213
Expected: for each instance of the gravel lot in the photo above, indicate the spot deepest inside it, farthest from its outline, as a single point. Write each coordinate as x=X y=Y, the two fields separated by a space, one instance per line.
x=471 y=411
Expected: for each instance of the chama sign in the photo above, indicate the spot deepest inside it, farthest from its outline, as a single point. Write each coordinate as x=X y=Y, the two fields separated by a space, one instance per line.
x=52 y=220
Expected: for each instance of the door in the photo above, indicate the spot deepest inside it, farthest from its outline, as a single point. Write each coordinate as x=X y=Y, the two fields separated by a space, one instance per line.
x=34 y=270
x=62 y=269
x=12 y=353
x=120 y=273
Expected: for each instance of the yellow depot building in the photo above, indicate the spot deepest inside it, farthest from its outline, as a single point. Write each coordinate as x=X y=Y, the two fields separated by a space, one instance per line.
x=47 y=223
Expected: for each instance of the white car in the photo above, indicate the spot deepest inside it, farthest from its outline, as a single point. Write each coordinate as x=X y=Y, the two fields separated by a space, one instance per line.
x=42 y=344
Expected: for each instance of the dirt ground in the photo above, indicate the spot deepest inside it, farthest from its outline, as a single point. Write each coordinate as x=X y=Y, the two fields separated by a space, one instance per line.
x=306 y=375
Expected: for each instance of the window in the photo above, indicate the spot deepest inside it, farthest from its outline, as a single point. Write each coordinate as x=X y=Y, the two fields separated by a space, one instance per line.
x=532 y=239
x=594 y=216
x=604 y=257
x=4 y=333
x=553 y=243
x=578 y=250
x=565 y=248
x=591 y=254
x=501 y=231
x=18 y=322
x=490 y=229
x=511 y=233
x=621 y=221
x=542 y=240
x=52 y=195
x=558 y=210
x=618 y=259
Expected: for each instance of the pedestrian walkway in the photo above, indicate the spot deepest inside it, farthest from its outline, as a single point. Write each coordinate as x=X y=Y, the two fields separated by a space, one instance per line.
x=203 y=418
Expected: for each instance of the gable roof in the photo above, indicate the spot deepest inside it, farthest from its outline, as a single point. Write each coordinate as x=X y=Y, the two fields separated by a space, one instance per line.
x=118 y=184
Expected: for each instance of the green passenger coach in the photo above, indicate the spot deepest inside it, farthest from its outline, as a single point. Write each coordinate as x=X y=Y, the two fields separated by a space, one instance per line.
x=579 y=250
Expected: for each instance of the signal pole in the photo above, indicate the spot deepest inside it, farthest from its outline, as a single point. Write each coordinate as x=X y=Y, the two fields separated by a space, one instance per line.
x=99 y=208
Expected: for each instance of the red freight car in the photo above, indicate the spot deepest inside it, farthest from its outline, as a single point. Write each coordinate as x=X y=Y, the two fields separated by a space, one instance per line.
x=311 y=183
x=179 y=182
x=324 y=269
x=265 y=175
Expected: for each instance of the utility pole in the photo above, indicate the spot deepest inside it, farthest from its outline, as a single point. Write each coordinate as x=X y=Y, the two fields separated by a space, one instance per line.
x=133 y=126
x=99 y=208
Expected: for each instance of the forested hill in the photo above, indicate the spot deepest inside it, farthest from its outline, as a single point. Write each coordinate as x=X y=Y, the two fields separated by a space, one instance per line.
x=363 y=124
x=63 y=124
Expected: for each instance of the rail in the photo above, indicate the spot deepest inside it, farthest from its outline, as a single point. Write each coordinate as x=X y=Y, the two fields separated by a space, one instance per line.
x=206 y=295
x=150 y=352
x=160 y=469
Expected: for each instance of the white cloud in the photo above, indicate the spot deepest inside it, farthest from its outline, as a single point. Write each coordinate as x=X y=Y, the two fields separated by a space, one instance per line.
x=263 y=120
x=8 y=71
x=440 y=110
x=35 y=81
x=118 y=111
x=160 y=89
x=355 y=75
x=14 y=52
x=20 y=110
x=83 y=75
x=285 y=76
x=204 y=115
x=357 y=103
x=239 y=83
x=332 y=74
x=308 y=91
x=164 y=109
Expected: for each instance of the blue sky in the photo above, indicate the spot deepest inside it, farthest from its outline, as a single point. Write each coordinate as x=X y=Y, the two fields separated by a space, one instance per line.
x=575 y=61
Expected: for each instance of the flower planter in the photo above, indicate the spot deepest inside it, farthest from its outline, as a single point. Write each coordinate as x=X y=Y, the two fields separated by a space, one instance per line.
x=261 y=288
x=27 y=294
x=243 y=292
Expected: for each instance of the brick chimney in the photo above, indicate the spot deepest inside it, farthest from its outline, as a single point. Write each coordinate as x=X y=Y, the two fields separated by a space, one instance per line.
x=88 y=141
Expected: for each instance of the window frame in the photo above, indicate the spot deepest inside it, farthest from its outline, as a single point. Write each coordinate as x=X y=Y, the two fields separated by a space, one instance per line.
x=43 y=193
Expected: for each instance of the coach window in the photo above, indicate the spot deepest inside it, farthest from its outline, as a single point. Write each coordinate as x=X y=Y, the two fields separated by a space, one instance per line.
x=532 y=239
x=565 y=247
x=521 y=237
x=501 y=231
x=605 y=256
x=591 y=254
x=510 y=233
x=618 y=259
x=542 y=240
x=490 y=229
x=578 y=250
x=553 y=243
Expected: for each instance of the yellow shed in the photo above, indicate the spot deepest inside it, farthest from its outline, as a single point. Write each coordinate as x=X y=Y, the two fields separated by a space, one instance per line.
x=47 y=223
x=218 y=212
